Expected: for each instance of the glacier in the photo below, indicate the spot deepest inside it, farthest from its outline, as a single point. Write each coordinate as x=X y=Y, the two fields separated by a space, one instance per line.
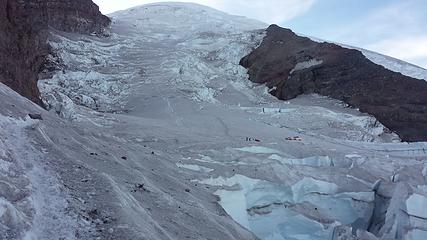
x=149 y=137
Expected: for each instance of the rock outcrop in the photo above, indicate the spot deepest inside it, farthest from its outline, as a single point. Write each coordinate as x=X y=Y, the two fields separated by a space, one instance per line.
x=24 y=28
x=291 y=65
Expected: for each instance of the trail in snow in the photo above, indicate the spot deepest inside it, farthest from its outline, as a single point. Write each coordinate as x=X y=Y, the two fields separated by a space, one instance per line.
x=32 y=203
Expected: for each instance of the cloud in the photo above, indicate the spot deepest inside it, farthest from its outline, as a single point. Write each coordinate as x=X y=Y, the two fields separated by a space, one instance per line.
x=410 y=48
x=397 y=30
x=270 y=11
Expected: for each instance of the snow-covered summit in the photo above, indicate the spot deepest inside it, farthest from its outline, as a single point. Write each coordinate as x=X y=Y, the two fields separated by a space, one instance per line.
x=183 y=18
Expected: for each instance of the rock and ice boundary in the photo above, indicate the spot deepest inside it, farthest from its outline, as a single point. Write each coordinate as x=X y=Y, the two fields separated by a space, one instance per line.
x=151 y=135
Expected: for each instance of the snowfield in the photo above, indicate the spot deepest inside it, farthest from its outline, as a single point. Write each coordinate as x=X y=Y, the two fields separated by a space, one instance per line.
x=388 y=62
x=156 y=133
x=396 y=65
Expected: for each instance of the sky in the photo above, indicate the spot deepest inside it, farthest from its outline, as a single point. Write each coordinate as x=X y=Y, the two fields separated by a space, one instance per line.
x=397 y=28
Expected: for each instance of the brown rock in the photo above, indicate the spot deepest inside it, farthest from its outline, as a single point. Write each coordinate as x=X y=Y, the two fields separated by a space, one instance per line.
x=23 y=33
x=36 y=116
x=292 y=65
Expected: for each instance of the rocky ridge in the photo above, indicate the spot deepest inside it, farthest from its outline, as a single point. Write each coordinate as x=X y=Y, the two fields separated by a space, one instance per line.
x=291 y=65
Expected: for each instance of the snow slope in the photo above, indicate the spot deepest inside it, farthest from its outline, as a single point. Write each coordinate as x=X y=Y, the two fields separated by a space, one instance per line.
x=396 y=65
x=388 y=62
x=163 y=132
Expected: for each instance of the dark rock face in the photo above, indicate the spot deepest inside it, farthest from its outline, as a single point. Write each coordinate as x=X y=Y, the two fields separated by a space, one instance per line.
x=21 y=50
x=82 y=16
x=292 y=65
x=24 y=27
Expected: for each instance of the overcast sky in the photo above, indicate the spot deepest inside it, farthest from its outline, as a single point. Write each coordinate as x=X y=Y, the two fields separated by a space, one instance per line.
x=393 y=27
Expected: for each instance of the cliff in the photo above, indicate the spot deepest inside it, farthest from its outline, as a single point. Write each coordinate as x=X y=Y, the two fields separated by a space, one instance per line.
x=291 y=65
x=24 y=28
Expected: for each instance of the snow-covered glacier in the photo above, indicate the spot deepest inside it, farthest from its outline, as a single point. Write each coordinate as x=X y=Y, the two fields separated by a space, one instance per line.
x=160 y=135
